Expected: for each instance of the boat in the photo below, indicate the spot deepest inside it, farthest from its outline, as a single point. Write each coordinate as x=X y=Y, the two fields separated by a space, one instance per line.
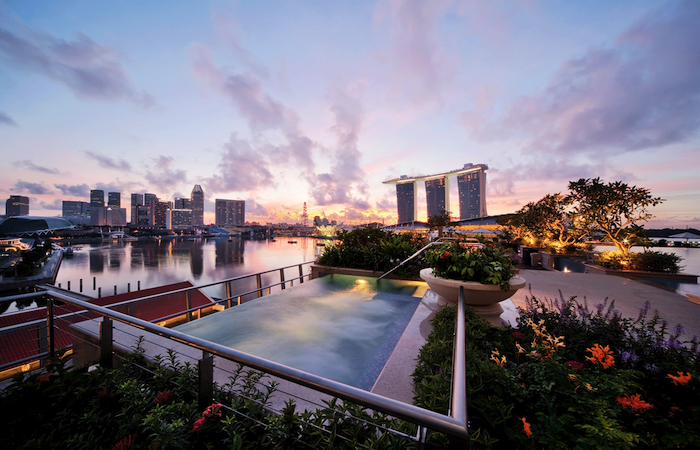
x=292 y=241
x=320 y=244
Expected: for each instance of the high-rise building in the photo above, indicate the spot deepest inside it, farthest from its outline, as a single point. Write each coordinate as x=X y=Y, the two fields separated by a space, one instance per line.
x=197 y=205
x=136 y=201
x=150 y=199
x=114 y=199
x=160 y=210
x=230 y=213
x=76 y=212
x=182 y=203
x=97 y=197
x=407 y=201
x=437 y=195
x=17 y=205
x=472 y=194
x=178 y=219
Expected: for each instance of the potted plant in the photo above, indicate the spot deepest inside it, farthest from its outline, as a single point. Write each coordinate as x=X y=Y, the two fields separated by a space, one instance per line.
x=487 y=275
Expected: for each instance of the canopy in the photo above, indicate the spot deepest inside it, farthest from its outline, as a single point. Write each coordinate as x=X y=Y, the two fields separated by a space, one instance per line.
x=686 y=235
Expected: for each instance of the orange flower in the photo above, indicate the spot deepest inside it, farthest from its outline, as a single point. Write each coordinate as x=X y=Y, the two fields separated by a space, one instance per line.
x=601 y=355
x=681 y=379
x=526 y=427
x=635 y=402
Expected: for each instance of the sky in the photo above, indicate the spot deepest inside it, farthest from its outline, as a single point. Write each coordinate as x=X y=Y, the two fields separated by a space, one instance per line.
x=279 y=103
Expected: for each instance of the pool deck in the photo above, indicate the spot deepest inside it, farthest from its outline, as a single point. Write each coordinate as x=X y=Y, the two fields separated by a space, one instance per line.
x=395 y=380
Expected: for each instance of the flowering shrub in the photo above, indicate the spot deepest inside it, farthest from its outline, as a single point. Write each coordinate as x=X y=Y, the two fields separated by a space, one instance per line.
x=569 y=376
x=375 y=249
x=461 y=261
x=648 y=261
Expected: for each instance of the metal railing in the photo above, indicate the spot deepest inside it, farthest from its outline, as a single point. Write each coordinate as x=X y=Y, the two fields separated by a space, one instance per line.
x=454 y=424
x=189 y=312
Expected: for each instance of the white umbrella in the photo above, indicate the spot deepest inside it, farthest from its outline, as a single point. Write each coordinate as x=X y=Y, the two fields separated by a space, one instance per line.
x=686 y=235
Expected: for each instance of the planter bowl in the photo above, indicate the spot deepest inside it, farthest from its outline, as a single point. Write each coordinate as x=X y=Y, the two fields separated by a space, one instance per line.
x=484 y=298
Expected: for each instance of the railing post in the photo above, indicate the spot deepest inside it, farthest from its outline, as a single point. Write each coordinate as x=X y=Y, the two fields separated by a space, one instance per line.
x=301 y=274
x=81 y=285
x=43 y=341
x=188 y=305
x=421 y=437
x=49 y=328
x=258 y=278
x=206 y=380
x=106 y=334
x=94 y=283
x=282 y=278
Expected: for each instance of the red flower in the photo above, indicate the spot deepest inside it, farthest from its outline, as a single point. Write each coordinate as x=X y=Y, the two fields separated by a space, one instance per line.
x=198 y=424
x=635 y=402
x=44 y=378
x=126 y=443
x=601 y=355
x=103 y=395
x=213 y=410
x=526 y=427
x=163 y=397
x=518 y=335
x=681 y=379
x=575 y=365
x=445 y=255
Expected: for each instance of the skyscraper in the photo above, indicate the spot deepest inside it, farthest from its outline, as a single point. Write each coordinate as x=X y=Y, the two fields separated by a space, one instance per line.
x=97 y=198
x=159 y=212
x=76 y=212
x=230 y=213
x=150 y=199
x=472 y=195
x=437 y=195
x=197 y=205
x=406 y=200
x=114 y=199
x=182 y=203
x=136 y=201
x=17 y=205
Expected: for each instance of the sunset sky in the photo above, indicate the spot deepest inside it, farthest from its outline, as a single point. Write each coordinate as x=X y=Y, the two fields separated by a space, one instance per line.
x=285 y=102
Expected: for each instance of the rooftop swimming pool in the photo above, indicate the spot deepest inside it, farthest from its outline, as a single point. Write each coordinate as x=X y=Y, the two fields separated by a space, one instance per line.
x=339 y=327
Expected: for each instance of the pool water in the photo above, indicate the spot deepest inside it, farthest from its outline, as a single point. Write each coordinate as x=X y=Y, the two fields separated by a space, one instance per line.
x=339 y=327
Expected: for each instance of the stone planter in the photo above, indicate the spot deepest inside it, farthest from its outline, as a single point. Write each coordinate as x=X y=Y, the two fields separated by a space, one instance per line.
x=484 y=298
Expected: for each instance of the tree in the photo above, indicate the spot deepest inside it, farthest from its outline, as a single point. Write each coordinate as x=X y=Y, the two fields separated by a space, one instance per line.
x=549 y=220
x=439 y=221
x=613 y=209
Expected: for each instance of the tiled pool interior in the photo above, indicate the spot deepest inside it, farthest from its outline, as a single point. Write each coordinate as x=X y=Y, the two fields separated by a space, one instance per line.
x=339 y=327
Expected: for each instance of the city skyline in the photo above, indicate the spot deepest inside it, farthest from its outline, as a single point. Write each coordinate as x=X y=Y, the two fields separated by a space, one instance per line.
x=280 y=103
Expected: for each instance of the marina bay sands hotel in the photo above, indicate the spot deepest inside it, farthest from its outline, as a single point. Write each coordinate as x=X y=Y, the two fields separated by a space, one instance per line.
x=471 y=181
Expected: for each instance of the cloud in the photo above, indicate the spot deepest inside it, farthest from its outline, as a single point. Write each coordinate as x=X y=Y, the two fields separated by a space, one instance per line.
x=642 y=93
x=109 y=163
x=77 y=190
x=5 y=119
x=419 y=67
x=263 y=112
x=346 y=176
x=31 y=166
x=165 y=177
x=57 y=204
x=88 y=69
x=386 y=205
x=32 y=188
x=242 y=168
x=255 y=209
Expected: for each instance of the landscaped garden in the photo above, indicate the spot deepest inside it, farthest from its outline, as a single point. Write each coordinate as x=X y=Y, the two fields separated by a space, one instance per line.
x=569 y=376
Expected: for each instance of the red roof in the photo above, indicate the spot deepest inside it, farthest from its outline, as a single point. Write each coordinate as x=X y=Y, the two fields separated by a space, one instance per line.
x=22 y=343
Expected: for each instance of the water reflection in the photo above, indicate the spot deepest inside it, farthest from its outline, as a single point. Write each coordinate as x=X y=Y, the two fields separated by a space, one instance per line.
x=202 y=260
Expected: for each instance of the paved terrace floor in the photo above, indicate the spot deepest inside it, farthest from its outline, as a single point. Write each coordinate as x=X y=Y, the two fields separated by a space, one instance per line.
x=395 y=380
